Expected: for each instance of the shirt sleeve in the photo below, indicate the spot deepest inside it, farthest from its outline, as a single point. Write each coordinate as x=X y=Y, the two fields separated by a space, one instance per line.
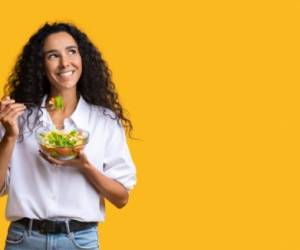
x=4 y=188
x=118 y=163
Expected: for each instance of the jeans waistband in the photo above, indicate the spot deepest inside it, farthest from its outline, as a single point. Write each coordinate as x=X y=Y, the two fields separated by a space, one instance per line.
x=55 y=227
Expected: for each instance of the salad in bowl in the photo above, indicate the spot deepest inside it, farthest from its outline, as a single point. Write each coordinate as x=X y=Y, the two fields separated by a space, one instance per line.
x=61 y=144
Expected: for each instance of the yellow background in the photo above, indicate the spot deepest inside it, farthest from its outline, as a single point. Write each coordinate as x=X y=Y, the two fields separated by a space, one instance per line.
x=212 y=88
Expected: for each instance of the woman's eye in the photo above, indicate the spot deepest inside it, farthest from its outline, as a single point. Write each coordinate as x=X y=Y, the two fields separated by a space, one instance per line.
x=72 y=51
x=52 y=56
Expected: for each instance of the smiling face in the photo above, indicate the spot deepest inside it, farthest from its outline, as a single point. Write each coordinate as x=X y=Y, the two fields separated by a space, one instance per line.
x=62 y=61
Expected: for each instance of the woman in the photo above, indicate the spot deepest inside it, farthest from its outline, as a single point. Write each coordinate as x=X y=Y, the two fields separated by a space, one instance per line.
x=53 y=203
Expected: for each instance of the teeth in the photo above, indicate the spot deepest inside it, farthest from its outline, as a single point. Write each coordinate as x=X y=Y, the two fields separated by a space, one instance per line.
x=66 y=73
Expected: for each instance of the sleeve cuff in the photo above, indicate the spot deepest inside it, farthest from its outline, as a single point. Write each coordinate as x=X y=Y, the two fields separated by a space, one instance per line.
x=128 y=182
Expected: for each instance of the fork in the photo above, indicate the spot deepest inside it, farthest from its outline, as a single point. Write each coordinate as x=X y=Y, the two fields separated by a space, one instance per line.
x=51 y=106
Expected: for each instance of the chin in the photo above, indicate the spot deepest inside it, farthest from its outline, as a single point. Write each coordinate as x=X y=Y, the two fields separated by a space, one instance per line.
x=66 y=85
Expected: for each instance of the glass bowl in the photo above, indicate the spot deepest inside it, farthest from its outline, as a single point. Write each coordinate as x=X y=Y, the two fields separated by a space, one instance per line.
x=62 y=144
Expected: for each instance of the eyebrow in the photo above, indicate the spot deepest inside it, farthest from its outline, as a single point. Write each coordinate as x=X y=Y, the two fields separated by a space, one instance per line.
x=54 y=50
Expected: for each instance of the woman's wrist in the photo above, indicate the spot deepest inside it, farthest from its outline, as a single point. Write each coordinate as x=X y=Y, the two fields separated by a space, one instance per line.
x=86 y=166
x=10 y=138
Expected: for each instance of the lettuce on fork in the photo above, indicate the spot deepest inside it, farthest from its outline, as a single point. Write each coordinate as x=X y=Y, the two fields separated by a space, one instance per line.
x=57 y=102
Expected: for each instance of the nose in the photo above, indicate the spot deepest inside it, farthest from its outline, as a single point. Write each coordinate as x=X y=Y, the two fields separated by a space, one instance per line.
x=64 y=61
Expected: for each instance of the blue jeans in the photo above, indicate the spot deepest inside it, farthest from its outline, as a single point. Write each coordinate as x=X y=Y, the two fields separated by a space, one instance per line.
x=19 y=237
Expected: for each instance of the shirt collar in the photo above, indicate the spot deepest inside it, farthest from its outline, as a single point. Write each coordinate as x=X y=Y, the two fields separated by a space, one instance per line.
x=81 y=114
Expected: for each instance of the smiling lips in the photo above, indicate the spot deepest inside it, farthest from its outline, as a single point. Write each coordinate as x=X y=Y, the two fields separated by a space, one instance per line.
x=66 y=74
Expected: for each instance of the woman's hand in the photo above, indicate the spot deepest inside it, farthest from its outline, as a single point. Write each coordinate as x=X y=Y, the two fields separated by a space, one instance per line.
x=80 y=162
x=109 y=188
x=9 y=113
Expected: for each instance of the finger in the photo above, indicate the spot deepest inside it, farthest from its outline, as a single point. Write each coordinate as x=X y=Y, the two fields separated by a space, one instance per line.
x=7 y=97
x=11 y=106
x=15 y=105
x=55 y=161
x=11 y=113
x=82 y=155
x=50 y=159
x=45 y=157
x=15 y=109
x=4 y=104
x=15 y=116
x=12 y=117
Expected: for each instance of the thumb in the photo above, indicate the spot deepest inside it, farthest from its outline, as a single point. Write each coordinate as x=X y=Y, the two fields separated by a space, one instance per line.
x=5 y=98
x=82 y=155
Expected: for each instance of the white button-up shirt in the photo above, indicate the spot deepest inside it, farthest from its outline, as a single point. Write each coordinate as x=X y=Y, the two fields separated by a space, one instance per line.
x=36 y=189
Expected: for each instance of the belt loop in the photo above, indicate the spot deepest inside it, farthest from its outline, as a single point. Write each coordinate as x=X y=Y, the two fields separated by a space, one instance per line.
x=67 y=226
x=30 y=227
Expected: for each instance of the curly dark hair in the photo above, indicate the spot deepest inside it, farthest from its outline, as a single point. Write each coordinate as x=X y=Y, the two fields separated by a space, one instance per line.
x=28 y=82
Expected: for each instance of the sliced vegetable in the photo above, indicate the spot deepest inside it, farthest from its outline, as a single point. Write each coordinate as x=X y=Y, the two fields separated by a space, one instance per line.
x=62 y=145
x=57 y=138
x=57 y=102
